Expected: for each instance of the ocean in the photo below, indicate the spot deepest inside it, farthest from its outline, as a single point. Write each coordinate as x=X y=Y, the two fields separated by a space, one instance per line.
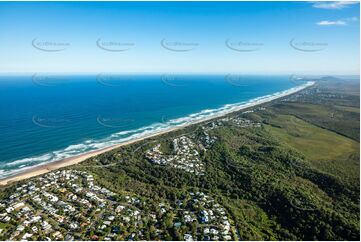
x=44 y=118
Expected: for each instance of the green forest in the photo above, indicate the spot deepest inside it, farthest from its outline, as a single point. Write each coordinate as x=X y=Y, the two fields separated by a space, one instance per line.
x=295 y=176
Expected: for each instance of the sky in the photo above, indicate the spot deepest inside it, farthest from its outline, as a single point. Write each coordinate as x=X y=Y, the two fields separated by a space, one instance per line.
x=318 y=38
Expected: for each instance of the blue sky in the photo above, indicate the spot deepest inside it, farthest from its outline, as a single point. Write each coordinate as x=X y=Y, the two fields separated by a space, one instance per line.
x=198 y=37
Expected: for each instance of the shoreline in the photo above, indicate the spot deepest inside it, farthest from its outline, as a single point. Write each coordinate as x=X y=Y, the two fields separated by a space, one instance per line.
x=51 y=166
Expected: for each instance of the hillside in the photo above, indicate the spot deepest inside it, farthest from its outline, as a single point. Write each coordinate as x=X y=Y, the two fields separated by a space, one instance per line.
x=287 y=170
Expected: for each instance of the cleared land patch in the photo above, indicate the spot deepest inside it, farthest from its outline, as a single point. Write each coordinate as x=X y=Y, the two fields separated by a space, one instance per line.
x=326 y=150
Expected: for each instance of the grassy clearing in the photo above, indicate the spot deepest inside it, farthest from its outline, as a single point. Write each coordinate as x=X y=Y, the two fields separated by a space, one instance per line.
x=348 y=109
x=341 y=119
x=326 y=150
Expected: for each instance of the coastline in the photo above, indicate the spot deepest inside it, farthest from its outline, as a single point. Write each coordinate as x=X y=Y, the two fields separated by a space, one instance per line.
x=51 y=166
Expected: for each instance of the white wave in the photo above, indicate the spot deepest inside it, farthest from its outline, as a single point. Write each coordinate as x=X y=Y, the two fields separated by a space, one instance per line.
x=117 y=138
x=76 y=147
x=30 y=159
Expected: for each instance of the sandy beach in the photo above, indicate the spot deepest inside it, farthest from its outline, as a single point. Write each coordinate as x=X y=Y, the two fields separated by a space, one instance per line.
x=44 y=168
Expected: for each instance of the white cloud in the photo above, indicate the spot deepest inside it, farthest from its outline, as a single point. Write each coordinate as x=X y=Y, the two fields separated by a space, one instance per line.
x=326 y=22
x=333 y=5
x=352 y=19
x=337 y=22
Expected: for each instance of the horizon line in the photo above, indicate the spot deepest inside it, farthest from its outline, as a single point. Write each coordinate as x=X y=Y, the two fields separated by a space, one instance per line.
x=175 y=73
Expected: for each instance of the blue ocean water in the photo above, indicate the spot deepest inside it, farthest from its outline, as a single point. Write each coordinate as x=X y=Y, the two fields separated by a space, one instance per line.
x=47 y=117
